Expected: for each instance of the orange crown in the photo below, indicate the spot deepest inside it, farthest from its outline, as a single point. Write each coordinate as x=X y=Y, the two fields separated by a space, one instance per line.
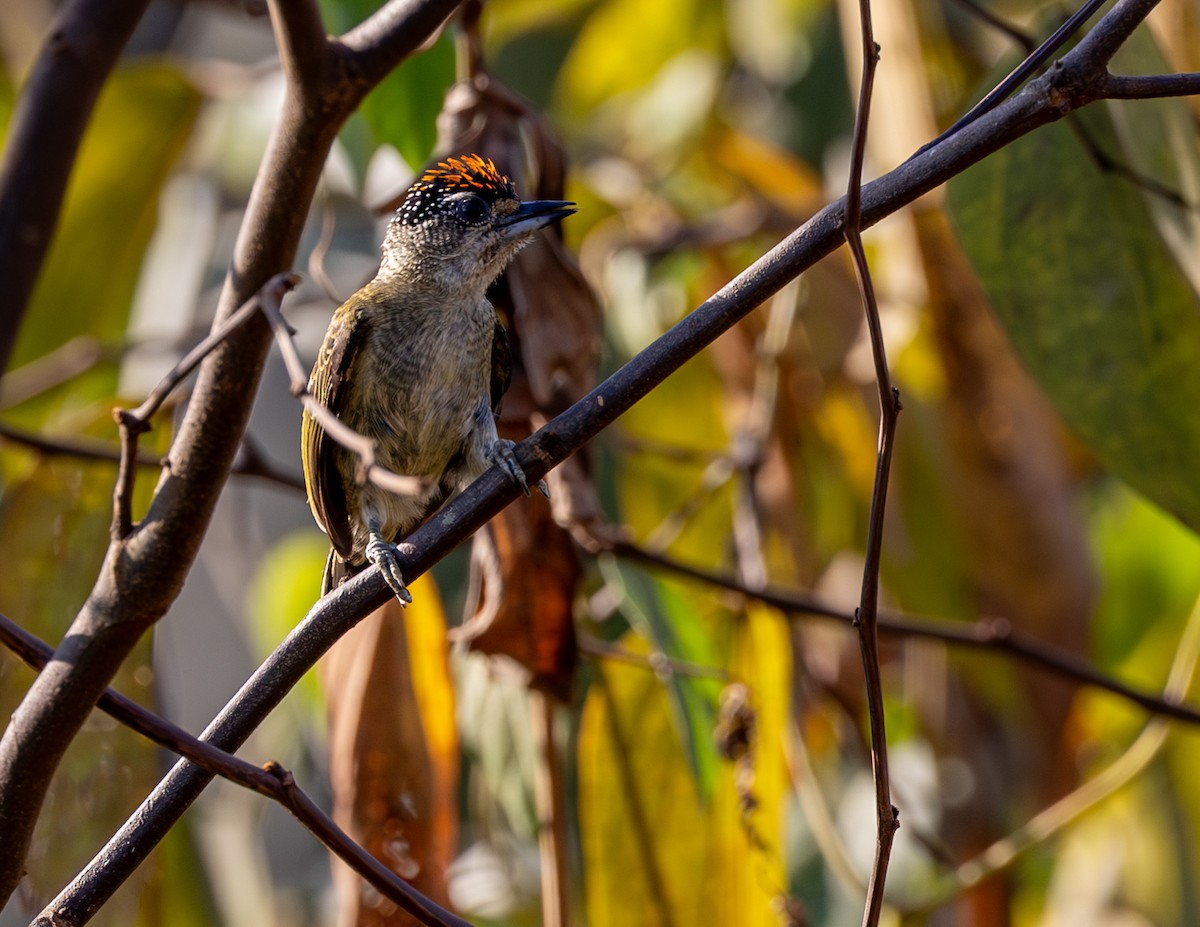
x=470 y=172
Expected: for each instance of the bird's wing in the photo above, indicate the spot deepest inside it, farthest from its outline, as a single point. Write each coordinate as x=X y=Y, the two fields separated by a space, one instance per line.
x=501 y=364
x=322 y=478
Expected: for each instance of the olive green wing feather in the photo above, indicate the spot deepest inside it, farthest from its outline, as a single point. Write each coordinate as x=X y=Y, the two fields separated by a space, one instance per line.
x=502 y=363
x=328 y=385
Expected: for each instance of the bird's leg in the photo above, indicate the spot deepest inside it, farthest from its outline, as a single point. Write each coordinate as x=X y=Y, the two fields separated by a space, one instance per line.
x=386 y=556
x=504 y=455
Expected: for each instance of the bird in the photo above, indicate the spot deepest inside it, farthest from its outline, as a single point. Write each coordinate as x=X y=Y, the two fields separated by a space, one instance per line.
x=417 y=361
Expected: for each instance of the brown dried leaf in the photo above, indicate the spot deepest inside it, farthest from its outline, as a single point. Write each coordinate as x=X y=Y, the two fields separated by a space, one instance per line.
x=392 y=757
x=525 y=561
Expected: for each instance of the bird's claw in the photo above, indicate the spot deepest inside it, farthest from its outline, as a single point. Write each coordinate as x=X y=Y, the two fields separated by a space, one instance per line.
x=504 y=455
x=387 y=557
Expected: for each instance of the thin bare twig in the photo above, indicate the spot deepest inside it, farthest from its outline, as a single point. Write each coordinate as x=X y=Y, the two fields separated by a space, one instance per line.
x=133 y=423
x=887 y=816
x=990 y=635
x=980 y=11
x=251 y=462
x=1153 y=86
x=271 y=780
x=1023 y=71
x=340 y=432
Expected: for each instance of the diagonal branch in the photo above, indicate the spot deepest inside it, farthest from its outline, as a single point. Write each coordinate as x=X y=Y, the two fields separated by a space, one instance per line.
x=270 y=780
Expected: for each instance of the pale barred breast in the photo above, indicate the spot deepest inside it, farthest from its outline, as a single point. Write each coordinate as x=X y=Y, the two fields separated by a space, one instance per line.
x=427 y=387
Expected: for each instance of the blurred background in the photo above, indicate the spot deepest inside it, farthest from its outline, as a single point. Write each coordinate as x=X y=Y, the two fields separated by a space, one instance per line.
x=706 y=754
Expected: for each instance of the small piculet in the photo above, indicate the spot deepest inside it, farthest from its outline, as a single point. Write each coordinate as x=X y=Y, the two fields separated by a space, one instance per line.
x=417 y=360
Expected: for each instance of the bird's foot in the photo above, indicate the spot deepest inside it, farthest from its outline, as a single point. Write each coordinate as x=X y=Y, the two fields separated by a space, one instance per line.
x=504 y=455
x=387 y=557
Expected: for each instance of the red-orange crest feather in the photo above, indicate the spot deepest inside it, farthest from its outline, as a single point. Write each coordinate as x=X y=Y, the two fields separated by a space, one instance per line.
x=470 y=172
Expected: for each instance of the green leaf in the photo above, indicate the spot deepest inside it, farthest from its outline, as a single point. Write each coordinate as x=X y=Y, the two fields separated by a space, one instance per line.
x=1147 y=564
x=675 y=620
x=286 y=584
x=402 y=110
x=141 y=122
x=1093 y=302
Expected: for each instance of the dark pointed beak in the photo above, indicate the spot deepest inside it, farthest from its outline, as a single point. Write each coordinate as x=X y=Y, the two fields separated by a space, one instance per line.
x=535 y=214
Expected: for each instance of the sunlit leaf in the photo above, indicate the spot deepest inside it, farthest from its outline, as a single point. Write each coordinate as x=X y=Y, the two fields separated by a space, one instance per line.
x=675 y=621
x=284 y=588
x=392 y=746
x=654 y=850
x=1147 y=564
x=643 y=833
x=748 y=856
x=647 y=34
x=1094 y=303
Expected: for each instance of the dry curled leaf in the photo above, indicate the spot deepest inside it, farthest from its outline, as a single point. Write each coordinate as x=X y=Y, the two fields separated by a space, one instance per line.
x=525 y=560
x=392 y=754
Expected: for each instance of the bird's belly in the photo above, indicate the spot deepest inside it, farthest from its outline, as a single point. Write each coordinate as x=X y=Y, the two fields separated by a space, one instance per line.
x=425 y=409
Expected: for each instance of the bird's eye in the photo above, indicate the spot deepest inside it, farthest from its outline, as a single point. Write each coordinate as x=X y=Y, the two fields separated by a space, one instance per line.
x=472 y=209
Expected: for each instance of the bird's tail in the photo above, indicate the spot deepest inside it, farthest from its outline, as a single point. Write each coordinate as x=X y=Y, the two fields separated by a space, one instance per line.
x=337 y=571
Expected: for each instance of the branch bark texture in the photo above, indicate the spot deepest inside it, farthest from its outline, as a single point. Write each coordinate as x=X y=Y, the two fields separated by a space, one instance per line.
x=144 y=569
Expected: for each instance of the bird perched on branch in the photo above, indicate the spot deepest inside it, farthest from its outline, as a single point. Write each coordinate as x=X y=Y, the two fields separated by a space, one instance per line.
x=417 y=360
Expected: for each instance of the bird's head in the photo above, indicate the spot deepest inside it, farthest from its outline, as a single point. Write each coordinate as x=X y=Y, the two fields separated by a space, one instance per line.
x=461 y=223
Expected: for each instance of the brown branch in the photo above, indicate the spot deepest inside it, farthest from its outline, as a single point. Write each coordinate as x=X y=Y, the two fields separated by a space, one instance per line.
x=271 y=780
x=47 y=126
x=990 y=635
x=250 y=462
x=396 y=31
x=1031 y=64
x=1154 y=86
x=887 y=816
x=1096 y=49
x=134 y=423
x=145 y=566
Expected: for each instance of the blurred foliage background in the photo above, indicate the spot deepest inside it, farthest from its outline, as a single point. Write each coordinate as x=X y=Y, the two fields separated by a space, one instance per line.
x=1041 y=317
